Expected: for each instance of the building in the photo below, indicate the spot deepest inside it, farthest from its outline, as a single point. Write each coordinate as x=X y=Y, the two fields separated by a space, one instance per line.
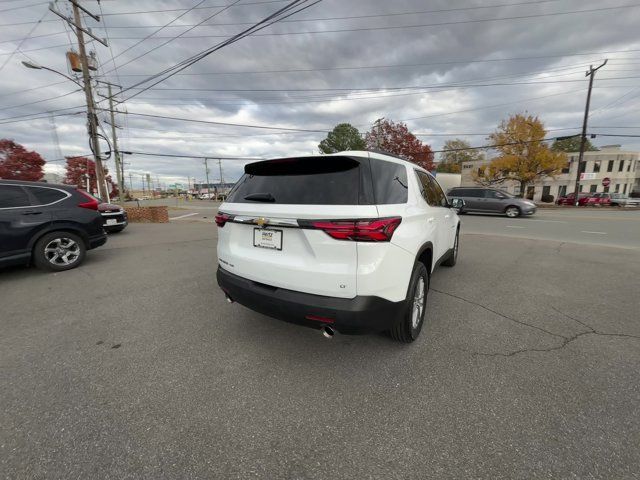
x=217 y=188
x=621 y=168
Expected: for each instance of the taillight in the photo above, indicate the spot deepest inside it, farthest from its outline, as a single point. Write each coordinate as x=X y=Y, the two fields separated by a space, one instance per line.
x=378 y=230
x=223 y=218
x=91 y=203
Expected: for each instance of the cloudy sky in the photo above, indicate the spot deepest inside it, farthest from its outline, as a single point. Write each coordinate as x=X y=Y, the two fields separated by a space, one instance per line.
x=448 y=68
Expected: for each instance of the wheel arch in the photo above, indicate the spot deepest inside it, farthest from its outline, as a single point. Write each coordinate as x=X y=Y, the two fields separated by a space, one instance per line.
x=60 y=227
x=425 y=256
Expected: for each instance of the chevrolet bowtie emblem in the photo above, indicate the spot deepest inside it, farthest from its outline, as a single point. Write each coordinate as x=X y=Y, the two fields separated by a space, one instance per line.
x=262 y=221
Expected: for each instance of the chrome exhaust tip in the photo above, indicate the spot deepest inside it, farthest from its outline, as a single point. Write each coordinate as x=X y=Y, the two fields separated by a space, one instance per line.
x=327 y=332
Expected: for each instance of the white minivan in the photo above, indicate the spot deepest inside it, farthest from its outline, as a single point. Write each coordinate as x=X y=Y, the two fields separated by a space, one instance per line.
x=344 y=242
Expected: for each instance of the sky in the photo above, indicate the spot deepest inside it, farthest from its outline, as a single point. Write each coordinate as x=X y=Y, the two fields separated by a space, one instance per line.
x=448 y=68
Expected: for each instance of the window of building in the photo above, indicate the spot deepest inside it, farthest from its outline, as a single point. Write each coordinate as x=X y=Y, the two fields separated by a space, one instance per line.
x=581 y=188
x=562 y=190
x=546 y=190
x=606 y=189
x=610 y=166
x=531 y=191
x=593 y=188
x=566 y=168
x=629 y=166
x=596 y=167
x=583 y=167
x=621 y=166
x=481 y=172
x=516 y=190
x=624 y=188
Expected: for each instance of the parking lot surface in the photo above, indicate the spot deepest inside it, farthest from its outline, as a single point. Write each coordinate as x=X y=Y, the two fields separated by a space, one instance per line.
x=134 y=366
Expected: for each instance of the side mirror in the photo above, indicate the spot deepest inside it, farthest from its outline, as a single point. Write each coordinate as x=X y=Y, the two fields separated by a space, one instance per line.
x=456 y=204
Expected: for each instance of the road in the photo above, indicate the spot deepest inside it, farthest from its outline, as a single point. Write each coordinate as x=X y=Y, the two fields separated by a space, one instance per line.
x=134 y=366
x=617 y=227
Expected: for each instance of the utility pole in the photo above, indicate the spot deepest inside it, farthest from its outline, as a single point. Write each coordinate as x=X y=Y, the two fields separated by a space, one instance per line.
x=206 y=171
x=221 y=177
x=92 y=118
x=130 y=181
x=583 y=139
x=114 y=139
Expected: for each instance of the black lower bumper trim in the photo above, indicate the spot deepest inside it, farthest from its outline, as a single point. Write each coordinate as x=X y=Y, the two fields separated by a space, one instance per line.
x=346 y=315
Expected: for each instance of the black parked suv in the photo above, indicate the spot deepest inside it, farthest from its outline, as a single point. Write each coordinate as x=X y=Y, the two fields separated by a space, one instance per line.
x=50 y=225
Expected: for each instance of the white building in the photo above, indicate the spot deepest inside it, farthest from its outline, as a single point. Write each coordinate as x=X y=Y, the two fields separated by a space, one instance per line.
x=620 y=169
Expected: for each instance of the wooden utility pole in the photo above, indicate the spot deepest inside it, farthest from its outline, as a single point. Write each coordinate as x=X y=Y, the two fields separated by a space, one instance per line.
x=91 y=108
x=206 y=171
x=583 y=139
x=114 y=139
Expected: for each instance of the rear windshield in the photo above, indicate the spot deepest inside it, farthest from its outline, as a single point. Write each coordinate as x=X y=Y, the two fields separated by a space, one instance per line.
x=300 y=181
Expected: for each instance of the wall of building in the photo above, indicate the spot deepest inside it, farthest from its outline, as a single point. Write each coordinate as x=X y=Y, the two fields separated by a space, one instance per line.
x=622 y=168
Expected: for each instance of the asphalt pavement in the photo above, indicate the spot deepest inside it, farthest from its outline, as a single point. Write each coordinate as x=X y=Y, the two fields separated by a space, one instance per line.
x=134 y=366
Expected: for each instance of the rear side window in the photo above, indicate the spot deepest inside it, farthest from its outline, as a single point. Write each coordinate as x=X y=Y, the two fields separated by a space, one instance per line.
x=426 y=189
x=441 y=198
x=13 y=196
x=46 y=196
x=475 y=193
x=300 y=181
x=389 y=182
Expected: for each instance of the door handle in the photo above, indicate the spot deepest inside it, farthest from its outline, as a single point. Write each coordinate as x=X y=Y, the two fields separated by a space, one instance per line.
x=32 y=212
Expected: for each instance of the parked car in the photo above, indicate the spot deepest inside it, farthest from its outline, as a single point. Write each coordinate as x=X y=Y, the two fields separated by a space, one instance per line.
x=491 y=200
x=622 y=200
x=49 y=225
x=344 y=242
x=598 y=200
x=114 y=216
x=569 y=199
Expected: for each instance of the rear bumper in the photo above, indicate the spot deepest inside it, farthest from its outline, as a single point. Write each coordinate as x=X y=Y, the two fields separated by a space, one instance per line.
x=346 y=315
x=97 y=241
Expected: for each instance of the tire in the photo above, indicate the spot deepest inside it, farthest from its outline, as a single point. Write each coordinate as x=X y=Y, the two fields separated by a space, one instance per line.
x=453 y=258
x=512 y=211
x=408 y=327
x=49 y=252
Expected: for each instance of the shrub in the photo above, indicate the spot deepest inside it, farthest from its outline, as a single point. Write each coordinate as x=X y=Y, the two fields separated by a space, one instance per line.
x=547 y=198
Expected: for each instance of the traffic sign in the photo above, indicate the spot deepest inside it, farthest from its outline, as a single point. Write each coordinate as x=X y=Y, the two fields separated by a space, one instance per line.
x=606 y=181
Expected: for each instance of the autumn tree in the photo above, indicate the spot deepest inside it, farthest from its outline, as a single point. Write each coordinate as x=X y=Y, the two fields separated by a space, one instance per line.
x=344 y=136
x=571 y=144
x=77 y=169
x=395 y=138
x=17 y=163
x=523 y=156
x=455 y=153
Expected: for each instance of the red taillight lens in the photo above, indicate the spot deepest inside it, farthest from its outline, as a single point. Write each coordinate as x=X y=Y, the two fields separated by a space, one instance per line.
x=91 y=203
x=378 y=230
x=223 y=218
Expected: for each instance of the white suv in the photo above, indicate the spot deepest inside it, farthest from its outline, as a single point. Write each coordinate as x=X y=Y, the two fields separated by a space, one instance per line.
x=343 y=242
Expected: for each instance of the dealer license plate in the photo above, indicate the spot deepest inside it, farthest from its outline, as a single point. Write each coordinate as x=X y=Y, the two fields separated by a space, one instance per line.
x=267 y=238
x=112 y=221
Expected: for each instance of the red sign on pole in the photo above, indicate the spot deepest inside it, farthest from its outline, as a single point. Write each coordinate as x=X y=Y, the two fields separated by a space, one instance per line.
x=606 y=181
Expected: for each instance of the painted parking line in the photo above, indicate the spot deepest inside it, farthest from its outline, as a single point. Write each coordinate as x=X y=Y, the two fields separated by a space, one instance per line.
x=595 y=233
x=184 y=216
x=546 y=221
x=513 y=226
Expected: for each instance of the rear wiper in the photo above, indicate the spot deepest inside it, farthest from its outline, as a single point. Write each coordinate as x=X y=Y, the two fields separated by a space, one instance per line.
x=260 y=197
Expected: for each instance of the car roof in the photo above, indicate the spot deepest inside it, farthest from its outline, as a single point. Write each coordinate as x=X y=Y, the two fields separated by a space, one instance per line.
x=37 y=184
x=376 y=156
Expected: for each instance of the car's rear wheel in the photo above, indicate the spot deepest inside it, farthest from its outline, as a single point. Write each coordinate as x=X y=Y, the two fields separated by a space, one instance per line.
x=409 y=326
x=58 y=251
x=453 y=257
x=512 y=212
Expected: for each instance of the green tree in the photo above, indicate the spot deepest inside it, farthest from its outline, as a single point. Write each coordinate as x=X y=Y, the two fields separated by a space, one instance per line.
x=571 y=144
x=344 y=136
x=523 y=156
x=455 y=153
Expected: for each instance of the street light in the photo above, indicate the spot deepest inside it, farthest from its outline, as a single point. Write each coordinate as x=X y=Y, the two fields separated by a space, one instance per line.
x=35 y=66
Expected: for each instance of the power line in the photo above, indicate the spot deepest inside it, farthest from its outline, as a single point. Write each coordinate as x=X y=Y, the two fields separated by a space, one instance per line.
x=40 y=101
x=182 y=9
x=196 y=157
x=355 y=17
x=459 y=22
x=23 y=6
x=30 y=37
x=291 y=8
x=33 y=29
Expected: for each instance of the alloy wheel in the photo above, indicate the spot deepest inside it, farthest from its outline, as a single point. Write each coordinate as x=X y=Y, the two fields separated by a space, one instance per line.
x=62 y=251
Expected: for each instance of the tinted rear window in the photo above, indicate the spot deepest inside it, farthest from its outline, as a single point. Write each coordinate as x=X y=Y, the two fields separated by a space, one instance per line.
x=46 y=195
x=13 y=196
x=303 y=181
x=389 y=182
